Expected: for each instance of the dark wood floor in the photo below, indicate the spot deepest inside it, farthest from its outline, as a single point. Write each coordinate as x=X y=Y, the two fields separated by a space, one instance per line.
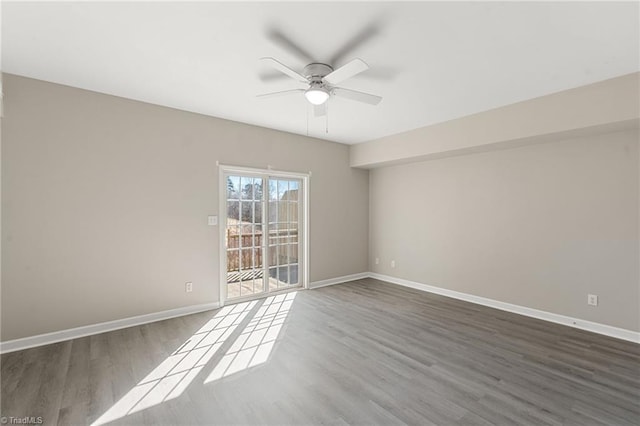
x=364 y=352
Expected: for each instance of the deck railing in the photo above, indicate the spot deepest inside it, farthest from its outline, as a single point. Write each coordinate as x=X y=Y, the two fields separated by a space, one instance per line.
x=245 y=247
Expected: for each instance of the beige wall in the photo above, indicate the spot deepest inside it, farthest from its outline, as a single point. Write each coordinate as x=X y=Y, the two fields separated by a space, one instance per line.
x=539 y=226
x=606 y=103
x=105 y=204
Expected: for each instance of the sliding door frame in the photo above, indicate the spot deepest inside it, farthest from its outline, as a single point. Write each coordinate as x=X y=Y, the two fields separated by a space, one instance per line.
x=265 y=174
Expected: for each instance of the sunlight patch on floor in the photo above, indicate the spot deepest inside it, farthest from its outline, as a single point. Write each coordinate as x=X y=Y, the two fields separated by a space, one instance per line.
x=256 y=341
x=169 y=379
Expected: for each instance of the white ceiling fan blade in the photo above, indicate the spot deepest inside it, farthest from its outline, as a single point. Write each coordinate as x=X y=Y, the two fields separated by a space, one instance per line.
x=285 y=69
x=346 y=71
x=320 y=110
x=357 y=96
x=278 y=94
x=285 y=42
x=358 y=39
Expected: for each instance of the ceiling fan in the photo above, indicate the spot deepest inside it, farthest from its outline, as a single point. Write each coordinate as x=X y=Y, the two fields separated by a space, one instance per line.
x=322 y=80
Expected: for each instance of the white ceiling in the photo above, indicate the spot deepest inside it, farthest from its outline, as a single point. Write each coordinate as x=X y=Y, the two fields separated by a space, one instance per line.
x=431 y=61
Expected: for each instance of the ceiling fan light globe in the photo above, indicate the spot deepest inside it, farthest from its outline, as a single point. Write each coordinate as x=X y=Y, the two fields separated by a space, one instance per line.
x=316 y=96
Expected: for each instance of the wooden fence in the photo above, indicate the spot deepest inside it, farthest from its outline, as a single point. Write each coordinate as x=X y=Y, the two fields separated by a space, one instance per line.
x=233 y=256
x=252 y=246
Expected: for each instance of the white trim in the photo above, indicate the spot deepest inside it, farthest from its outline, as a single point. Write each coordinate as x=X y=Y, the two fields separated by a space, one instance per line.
x=88 y=330
x=607 y=330
x=222 y=229
x=303 y=242
x=306 y=202
x=339 y=280
x=268 y=171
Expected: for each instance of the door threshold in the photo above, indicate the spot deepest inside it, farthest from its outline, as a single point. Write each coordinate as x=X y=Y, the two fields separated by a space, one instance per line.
x=263 y=295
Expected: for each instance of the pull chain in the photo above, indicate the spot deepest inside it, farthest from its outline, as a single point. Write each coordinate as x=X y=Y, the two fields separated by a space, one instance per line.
x=326 y=130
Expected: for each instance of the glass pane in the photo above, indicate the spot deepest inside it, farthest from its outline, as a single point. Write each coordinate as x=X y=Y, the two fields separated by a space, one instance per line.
x=273 y=211
x=293 y=211
x=233 y=187
x=273 y=273
x=257 y=212
x=289 y=277
x=293 y=253
x=233 y=237
x=247 y=259
x=253 y=239
x=246 y=228
x=283 y=187
x=293 y=274
x=257 y=189
x=283 y=211
x=257 y=257
x=233 y=260
x=283 y=257
x=273 y=189
x=283 y=274
x=273 y=255
x=247 y=188
x=243 y=182
x=245 y=208
x=233 y=211
x=233 y=289
x=250 y=213
x=259 y=284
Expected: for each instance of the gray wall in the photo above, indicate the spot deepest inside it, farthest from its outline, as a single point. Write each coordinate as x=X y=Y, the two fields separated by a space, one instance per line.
x=539 y=226
x=105 y=204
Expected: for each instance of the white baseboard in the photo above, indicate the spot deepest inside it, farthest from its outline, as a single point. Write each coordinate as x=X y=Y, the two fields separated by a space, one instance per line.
x=87 y=330
x=73 y=333
x=607 y=330
x=339 y=280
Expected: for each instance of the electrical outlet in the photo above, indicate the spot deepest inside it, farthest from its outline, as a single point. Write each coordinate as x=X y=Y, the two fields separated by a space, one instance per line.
x=188 y=287
x=592 y=300
x=377 y=260
x=393 y=263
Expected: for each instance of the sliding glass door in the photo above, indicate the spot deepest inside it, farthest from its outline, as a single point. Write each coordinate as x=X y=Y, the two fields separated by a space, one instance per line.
x=283 y=229
x=262 y=234
x=244 y=235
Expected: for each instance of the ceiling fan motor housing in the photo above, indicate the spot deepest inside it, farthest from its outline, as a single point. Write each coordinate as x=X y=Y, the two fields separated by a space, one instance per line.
x=315 y=72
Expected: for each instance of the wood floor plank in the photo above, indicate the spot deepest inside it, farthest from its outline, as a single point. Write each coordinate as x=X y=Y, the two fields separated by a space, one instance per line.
x=364 y=352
